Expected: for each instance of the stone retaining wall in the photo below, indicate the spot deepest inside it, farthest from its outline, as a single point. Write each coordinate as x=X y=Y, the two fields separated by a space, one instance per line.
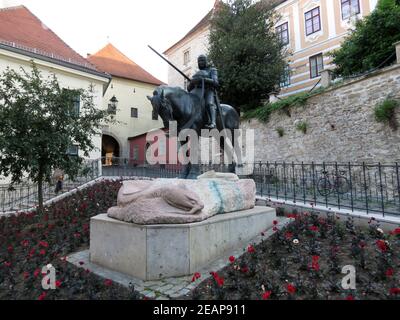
x=341 y=125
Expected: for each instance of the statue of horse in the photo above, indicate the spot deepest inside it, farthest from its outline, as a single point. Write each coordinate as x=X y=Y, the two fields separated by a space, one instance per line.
x=189 y=111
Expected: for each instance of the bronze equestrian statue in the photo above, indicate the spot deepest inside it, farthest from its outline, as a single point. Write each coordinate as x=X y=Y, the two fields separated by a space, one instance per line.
x=207 y=80
x=197 y=109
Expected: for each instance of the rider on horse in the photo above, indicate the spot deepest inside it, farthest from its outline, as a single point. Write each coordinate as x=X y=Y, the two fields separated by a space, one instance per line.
x=208 y=77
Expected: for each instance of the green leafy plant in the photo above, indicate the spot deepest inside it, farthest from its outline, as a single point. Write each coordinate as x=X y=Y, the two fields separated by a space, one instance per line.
x=264 y=112
x=370 y=45
x=385 y=113
x=246 y=51
x=39 y=122
x=280 y=131
x=302 y=127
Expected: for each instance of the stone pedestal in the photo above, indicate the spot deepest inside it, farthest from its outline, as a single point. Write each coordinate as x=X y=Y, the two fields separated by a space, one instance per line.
x=160 y=251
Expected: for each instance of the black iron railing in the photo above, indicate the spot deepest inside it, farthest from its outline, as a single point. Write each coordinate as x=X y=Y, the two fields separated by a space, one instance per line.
x=25 y=196
x=371 y=188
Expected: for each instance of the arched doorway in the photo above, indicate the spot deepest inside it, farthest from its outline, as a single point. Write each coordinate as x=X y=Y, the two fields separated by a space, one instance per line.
x=109 y=149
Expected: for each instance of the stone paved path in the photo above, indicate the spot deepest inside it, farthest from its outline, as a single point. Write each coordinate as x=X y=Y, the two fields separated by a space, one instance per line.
x=169 y=288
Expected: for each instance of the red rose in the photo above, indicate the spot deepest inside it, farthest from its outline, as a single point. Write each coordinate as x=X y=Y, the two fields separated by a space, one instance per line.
x=7 y=264
x=36 y=273
x=314 y=228
x=43 y=244
x=291 y=288
x=395 y=232
x=275 y=222
x=275 y=229
x=350 y=298
x=245 y=269
x=315 y=263
x=266 y=295
x=220 y=281
x=108 y=282
x=10 y=249
x=251 y=249
x=196 y=276
x=58 y=283
x=288 y=235
x=42 y=252
x=42 y=296
x=389 y=272
x=382 y=245
x=25 y=243
x=395 y=291
x=232 y=259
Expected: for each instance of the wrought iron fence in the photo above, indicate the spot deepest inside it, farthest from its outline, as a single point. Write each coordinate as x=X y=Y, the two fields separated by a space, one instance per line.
x=371 y=188
x=25 y=196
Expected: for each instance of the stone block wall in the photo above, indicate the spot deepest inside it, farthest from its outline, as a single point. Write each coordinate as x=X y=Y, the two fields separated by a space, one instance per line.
x=341 y=125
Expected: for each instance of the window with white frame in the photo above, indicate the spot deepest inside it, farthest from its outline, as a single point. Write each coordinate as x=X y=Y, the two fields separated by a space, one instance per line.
x=313 y=21
x=350 y=8
x=282 y=32
x=285 y=78
x=186 y=57
x=316 y=65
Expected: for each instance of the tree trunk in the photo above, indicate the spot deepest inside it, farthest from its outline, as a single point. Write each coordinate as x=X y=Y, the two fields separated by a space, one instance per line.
x=40 y=191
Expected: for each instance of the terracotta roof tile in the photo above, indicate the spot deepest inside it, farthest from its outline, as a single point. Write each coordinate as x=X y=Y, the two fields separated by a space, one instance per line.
x=20 y=28
x=111 y=60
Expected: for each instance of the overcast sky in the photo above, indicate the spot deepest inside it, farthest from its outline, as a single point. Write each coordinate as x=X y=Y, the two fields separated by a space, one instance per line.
x=88 y=25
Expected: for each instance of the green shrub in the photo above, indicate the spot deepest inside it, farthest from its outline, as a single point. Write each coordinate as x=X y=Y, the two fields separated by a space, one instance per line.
x=370 y=45
x=385 y=113
x=264 y=112
x=302 y=127
x=280 y=131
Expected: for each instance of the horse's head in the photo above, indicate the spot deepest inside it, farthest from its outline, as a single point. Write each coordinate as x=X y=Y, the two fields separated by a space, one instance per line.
x=162 y=106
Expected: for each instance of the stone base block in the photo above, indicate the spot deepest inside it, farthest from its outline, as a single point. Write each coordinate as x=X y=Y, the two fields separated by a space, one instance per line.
x=160 y=251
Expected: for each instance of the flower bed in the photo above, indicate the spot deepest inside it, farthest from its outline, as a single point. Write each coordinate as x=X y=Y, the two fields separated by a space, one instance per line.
x=31 y=241
x=305 y=260
x=302 y=261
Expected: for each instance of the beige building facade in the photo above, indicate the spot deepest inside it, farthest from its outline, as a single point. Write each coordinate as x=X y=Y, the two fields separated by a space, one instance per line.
x=309 y=28
x=23 y=40
x=128 y=89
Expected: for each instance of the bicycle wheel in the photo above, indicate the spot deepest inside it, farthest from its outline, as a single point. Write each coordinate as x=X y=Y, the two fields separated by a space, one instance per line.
x=342 y=185
x=324 y=187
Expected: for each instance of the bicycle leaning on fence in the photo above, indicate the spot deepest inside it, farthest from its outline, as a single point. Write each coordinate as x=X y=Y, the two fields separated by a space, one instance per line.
x=333 y=182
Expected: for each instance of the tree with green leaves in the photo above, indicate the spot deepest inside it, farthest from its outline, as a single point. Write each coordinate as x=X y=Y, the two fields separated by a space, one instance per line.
x=39 y=122
x=371 y=44
x=247 y=52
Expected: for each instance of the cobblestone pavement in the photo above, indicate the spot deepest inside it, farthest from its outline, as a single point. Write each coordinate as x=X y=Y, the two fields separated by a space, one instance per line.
x=168 y=288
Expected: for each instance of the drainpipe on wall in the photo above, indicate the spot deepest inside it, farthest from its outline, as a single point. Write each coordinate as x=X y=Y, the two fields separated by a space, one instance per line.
x=397 y=45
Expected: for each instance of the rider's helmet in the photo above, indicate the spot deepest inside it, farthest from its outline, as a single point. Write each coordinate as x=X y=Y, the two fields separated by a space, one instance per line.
x=202 y=62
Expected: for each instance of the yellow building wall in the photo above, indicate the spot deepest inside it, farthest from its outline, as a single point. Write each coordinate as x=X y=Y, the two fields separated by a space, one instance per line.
x=130 y=94
x=301 y=47
x=68 y=78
